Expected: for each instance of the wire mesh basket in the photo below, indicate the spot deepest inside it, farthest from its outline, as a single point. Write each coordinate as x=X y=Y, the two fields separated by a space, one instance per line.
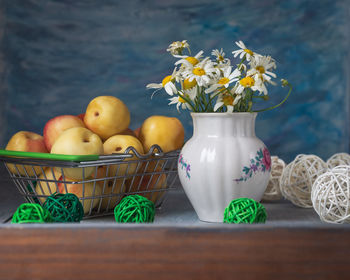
x=100 y=182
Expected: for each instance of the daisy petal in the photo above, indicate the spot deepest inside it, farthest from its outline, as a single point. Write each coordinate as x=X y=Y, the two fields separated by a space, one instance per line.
x=218 y=105
x=154 y=85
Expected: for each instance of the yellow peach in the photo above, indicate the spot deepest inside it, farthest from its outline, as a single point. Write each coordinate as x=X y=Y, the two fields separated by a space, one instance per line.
x=167 y=132
x=107 y=116
x=78 y=141
x=118 y=144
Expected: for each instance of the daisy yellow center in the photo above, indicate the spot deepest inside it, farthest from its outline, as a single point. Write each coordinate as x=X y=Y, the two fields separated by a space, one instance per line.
x=220 y=58
x=187 y=84
x=247 y=82
x=166 y=80
x=228 y=100
x=223 y=81
x=182 y=100
x=192 y=60
x=261 y=69
x=248 y=51
x=198 y=71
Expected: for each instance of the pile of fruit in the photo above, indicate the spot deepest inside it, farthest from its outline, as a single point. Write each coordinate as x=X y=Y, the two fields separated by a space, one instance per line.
x=103 y=129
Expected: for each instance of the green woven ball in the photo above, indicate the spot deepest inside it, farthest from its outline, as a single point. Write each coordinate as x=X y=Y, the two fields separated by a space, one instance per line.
x=134 y=209
x=31 y=213
x=244 y=211
x=64 y=207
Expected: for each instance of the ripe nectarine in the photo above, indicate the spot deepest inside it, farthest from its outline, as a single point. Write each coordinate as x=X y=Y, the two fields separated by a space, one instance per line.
x=26 y=141
x=55 y=126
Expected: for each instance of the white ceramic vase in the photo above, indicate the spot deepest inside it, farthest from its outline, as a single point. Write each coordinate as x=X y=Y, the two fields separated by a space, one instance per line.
x=223 y=160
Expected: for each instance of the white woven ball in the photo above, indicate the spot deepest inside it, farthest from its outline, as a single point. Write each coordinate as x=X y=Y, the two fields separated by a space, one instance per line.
x=298 y=177
x=331 y=195
x=273 y=191
x=338 y=159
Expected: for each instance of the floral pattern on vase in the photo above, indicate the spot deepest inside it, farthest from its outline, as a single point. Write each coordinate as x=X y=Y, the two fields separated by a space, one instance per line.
x=185 y=165
x=261 y=163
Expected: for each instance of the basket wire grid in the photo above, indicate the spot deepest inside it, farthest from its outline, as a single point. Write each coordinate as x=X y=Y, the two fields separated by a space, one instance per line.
x=101 y=183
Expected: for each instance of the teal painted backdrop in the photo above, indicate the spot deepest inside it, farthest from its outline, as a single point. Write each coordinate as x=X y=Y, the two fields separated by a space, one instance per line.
x=55 y=56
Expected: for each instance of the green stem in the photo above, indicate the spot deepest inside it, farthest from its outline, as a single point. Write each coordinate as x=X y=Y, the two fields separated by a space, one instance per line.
x=239 y=65
x=209 y=103
x=279 y=104
x=205 y=104
x=187 y=100
x=210 y=100
x=200 y=107
x=249 y=98
x=238 y=106
x=196 y=104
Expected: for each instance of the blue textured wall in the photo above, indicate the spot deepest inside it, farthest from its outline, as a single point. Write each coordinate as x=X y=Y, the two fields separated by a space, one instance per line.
x=57 y=55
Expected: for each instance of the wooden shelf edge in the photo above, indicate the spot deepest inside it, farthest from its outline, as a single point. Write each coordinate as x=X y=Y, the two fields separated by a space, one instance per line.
x=173 y=253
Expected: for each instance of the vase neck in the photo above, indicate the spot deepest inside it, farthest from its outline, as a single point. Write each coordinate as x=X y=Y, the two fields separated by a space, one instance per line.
x=224 y=124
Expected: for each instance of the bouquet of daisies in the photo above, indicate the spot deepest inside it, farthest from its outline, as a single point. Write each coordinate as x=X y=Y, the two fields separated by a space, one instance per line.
x=212 y=84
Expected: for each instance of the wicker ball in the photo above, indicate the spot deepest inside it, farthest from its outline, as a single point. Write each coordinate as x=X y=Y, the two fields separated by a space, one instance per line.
x=338 y=159
x=31 y=213
x=134 y=209
x=244 y=211
x=331 y=195
x=64 y=207
x=298 y=177
x=273 y=190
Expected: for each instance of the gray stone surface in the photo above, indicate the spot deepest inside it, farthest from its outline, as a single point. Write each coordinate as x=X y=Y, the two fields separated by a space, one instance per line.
x=176 y=211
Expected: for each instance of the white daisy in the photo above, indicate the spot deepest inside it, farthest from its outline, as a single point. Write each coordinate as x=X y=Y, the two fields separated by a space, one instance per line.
x=249 y=82
x=260 y=67
x=262 y=87
x=189 y=61
x=220 y=57
x=243 y=51
x=227 y=100
x=181 y=102
x=224 y=81
x=188 y=85
x=176 y=48
x=167 y=83
x=203 y=72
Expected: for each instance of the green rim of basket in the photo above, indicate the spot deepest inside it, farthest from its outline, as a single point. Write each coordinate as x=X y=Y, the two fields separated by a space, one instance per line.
x=49 y=156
